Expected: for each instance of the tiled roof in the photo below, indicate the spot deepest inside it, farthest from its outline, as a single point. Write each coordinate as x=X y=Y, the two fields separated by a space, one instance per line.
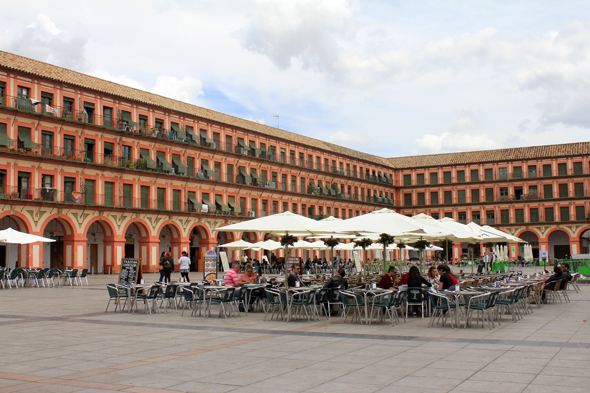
x=74 y=78
x=475 y=157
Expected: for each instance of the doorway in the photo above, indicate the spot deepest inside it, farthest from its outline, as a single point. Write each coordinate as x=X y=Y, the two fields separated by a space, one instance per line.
x=561 y=251
x=94 y=258
x=57 y=254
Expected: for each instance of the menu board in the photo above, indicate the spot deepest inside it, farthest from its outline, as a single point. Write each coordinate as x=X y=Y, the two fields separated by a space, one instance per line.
x=224 y=261
x=210 y=265
x=357 y=260
x=130 y=272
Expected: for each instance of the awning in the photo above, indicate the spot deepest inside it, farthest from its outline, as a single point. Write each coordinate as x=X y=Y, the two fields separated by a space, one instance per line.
x=207 y=201
x=180 y=134
x=247 y=177
x=181 y=167
x=24 y=135
x=243 y=145
x=207 y=169
x=193 y=199
x=192 y=134
x=253 y=146
x=255 y=175
x=232 y=202
x=89 y=141
x=332 y=191
x=126 y=116
x=145 y=154
x=219 y=201
x=165 y=164
x=262 y=149
x=4 y=139
x=88 y=105
x=108 y=146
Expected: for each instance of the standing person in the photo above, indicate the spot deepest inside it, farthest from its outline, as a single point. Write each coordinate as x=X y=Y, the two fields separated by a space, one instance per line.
x=162 y=258
x=185 y=265
x=168 y=265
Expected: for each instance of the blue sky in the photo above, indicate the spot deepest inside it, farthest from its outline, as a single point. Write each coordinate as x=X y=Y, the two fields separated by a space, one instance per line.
x=390 y=78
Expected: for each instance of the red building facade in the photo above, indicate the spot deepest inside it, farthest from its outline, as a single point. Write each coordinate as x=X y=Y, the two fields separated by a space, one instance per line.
x=111 y=172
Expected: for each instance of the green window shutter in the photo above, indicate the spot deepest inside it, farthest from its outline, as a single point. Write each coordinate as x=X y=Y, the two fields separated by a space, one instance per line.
x=166 y=167
x=190 y=166
x=161 y=198
x=489 y=195
x=519 y=216
x=564 y=213
x=549 y=215
x=421 y=199
x=434 y=198
x=534 y=214
x=578 y=170
x=461 y=196
x=145 y=154
x=580 y=213
x=4 y=139
x=108 y=193
x=474 y=195
x=24 y=136
x=448 y=197
x=145 y=197
x=579 y=189
x=178 y=162
x=505 y=216
x=176 y=200
x=127 y=195
x=563 y=190
x=89 y=191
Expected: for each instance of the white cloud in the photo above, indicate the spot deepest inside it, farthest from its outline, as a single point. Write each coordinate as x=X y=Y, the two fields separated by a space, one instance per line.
x=350 y=140
x=120 y=79
x=452 y=142
x=255 y=120
x=43 y=40
x=186 y=89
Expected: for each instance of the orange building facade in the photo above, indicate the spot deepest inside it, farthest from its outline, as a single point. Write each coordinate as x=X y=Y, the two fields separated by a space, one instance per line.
x=111 y=171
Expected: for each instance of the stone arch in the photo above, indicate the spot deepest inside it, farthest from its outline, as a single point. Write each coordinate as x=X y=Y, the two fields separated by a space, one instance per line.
x=532 y=237
x=100 y=245
x=65 y=252
x=106 y=225
x=23 y=223
x=584 y=240
x=9 y=254
x=559 y=243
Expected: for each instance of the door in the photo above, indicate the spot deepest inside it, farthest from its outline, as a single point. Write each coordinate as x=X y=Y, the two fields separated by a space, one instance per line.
x=57 y=255
x=561 y=252
x=94 y=258
x=130 y=250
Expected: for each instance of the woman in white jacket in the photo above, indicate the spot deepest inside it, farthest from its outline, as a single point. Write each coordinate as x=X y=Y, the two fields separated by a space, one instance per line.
x=185 y=265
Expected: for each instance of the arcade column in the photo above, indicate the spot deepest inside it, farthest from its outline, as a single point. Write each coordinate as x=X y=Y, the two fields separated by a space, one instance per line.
x=149 y=255
x=75 y=254
x=113 y=252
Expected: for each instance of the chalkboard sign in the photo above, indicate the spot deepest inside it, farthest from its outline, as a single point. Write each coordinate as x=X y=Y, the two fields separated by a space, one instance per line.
x=130 y=272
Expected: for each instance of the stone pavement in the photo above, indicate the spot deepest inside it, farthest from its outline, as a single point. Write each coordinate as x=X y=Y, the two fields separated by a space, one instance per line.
x=60 y=340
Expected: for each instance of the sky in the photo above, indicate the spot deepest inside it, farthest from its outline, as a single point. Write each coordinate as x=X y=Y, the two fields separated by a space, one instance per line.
x=389 y=78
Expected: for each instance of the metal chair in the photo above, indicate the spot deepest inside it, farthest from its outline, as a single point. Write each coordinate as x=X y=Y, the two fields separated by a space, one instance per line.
x=414 y=298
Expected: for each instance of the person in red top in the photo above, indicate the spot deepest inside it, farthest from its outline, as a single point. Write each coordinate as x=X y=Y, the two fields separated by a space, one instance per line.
x=388 y=279
x=404 y=279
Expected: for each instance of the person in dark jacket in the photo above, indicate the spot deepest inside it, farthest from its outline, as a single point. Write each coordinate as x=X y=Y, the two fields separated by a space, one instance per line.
x=551 y=281
x=162 y=258
x=389 y=279
x=338 y=280
x=415 y=280
x=447 y=280
x=168 y=265
x=565 y=271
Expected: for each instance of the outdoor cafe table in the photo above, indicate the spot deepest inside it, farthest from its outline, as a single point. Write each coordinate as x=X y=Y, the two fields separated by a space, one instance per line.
x=458 y=295
x=249 y=288
x=208 y=292
x=371 y=293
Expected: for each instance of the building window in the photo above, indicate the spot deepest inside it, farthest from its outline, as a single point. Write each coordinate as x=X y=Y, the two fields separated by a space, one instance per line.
x=460 y=176
x=109 y=189
x=580 y=213
x=502 y=173
x=489 y=174
x=519 y=216
x=578 y=170
x=434 y=198
x=448 y=197
x=579 y=189
x=128 y=195
x=474 y=175
x=475 y=217
x=534 y=214
x=563 y=191
x=46 y=143
x=46 y=181
x=107 y=115
x=490 y=217
x=89 y=192
x=547 y=170
x=161 y=198
x=475 y=195
x=434 y=215
x=505 y=216
x=421 y=199
x=532 y=171
x=176 y=200
x=462 y=217
x=145 y=197
x=407 y=180
x=420 y=179
x=22 y=92
x=503 y=193
x=125 y=154
x=433 y=178
x=517 y=172
x=461 y=196
x=69 y=145
x=549 y=215
x=447 y=177
x=547 y=191
x=564 y=213
x=562 y=169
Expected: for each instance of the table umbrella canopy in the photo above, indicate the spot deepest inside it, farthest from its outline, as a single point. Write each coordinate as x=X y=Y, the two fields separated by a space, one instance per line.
x=432 y=247
x=277 y=224
x=461 y=232
x=269 y=245
x=493 y=235
x=12 y=236
x=302 y=244
x=377 y=222
x=237 y=245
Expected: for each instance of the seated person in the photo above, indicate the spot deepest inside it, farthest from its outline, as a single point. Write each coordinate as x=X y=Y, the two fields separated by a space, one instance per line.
x=447 y=280
x=565 y=271
x=338 y=280
x=293 y=278
x=404 y=279
x=415 y=280
x=389 y=279
x=249 y=276
x=432 y=276
x=551 y=281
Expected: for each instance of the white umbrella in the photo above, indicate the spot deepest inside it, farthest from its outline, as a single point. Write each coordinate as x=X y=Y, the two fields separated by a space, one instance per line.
x=319 y=245
x=12 y=236
x=346 y=247
x=277 y=224
x=432 y=247
x=269 y=245
x=494 y=235
x=302 y=244
x=461 y=232
x=237 y=245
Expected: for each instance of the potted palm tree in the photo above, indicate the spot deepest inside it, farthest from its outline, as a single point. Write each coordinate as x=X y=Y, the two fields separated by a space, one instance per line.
x=331 y=242
x=364 y=243
x=386 y=240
